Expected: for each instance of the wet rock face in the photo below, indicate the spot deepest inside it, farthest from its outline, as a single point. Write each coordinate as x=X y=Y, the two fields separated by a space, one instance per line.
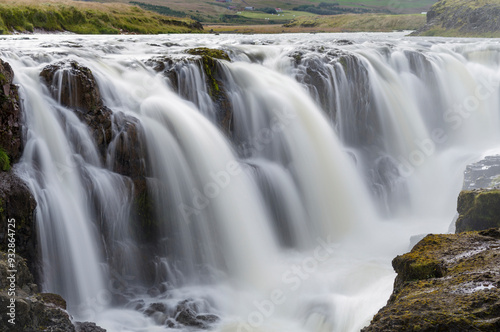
x=34 y=312
x=18 y=204
x=10 y=114
x=446 y=283
x=74 y=86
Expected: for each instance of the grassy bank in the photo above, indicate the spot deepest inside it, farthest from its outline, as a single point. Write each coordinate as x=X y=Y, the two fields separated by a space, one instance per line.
x=87 y=18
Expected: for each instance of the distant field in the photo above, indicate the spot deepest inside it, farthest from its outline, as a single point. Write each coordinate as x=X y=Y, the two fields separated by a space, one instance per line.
x=287 y=15
x=336 y=23
x=212 y=11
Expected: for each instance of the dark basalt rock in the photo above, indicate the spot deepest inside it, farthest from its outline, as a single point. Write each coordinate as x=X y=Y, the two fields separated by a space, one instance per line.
x=88 y=327
x=10 y=114
x=34 y=312
x=17 y=202
x=74 y=86
x=446 y=283
x=186 y=313
x=483 y=174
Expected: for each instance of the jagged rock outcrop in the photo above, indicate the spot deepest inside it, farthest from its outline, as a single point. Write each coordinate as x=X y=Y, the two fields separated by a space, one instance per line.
x=478 y=209
x=33 y=311
x=10 y=115
x=446 y=283
x=463 y=18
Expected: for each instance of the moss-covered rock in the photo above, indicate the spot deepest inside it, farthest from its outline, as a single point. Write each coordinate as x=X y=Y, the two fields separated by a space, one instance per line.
x=10 y=118
x=446 y=283
x=478 y=209
x=208 y=60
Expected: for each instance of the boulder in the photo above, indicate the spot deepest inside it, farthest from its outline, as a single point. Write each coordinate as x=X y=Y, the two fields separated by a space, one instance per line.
x=446 y=283
x=10 y=118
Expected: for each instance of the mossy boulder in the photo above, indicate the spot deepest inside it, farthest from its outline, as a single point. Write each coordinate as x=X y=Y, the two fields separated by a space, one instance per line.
x=446 y=283
x=478 y=210
x=10 y=119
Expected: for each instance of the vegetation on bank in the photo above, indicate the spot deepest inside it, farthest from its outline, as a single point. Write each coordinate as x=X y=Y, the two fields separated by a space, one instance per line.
x=87 y=18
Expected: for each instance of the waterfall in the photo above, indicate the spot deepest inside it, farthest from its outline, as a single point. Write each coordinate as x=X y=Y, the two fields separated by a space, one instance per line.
x=272 y=190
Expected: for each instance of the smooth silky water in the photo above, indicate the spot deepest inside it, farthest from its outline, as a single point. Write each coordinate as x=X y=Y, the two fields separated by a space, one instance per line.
x=343 y=148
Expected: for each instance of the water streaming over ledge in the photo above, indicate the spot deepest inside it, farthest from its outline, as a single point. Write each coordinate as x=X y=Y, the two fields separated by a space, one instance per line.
x=275 y=200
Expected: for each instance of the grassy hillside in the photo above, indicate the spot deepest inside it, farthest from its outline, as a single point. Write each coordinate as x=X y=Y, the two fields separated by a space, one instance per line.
x=86 y=18
x=211 y=11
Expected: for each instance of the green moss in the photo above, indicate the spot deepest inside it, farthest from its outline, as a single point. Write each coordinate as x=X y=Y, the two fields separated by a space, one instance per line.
x=478 y=210
x=209 y=53
x=4 y=161
x=209 y=59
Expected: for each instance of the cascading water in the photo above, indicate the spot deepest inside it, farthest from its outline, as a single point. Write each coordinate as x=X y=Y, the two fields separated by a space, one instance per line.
x=272 y=190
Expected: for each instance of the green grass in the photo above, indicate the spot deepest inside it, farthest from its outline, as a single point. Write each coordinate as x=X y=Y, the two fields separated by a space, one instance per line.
x=87 y=18
x=4 y=161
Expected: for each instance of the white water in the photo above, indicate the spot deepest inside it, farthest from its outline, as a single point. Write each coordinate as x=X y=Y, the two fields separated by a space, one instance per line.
x=323 y=182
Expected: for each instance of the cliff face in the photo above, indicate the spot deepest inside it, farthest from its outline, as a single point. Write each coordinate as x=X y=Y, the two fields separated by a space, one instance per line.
x=463 y=18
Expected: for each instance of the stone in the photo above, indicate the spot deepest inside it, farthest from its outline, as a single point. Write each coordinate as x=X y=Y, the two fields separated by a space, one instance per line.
x=33 y=311
x=88 y=327
x=10 y=115
x=18 y=203
x=478 y=210
x=446 y=283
